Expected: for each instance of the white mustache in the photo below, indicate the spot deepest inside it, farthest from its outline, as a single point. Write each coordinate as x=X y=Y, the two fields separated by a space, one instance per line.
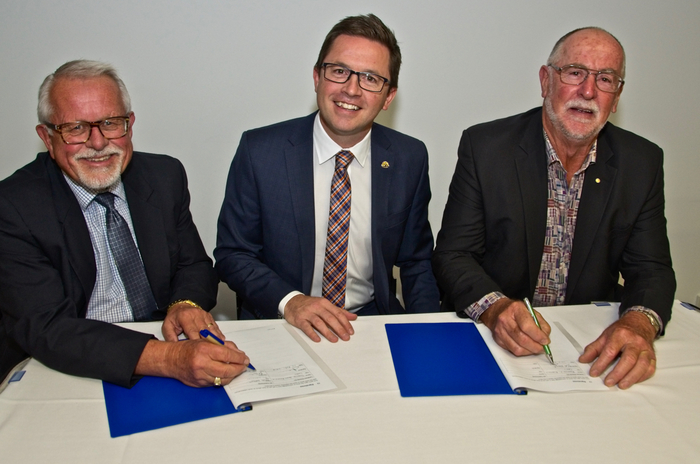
x=583 y=105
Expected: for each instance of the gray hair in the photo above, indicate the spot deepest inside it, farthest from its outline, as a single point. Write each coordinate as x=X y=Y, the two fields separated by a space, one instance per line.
x=78 y=69
x=556 y=51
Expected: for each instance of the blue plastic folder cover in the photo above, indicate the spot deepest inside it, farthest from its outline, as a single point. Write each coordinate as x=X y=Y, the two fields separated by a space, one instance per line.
x=440 y=359
x=156 y=402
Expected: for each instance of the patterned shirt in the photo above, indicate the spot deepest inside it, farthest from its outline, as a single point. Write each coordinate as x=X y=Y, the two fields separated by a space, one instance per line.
x=108 y=301
x=562 y=210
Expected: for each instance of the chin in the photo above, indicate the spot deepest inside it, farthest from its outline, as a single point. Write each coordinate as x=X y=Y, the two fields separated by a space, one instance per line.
x=584 y=133
x=572 y=129
x=97 y=182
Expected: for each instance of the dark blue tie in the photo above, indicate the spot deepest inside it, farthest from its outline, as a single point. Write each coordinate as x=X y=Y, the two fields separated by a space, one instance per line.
x=128 y=261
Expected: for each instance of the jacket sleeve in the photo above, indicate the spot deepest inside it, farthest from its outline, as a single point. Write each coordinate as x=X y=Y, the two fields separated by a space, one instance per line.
x=461 y=242
x=240 y=254
x=40 y=318
x=645 y=265
x=420 y=292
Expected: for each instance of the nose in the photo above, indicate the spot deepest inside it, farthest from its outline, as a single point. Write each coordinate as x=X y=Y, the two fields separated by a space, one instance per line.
x=352 y=85
x=96 y=140
x=588 y=89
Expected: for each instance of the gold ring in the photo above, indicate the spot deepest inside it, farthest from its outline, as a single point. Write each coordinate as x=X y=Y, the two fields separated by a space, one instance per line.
x=217 y=381
x=210 y=324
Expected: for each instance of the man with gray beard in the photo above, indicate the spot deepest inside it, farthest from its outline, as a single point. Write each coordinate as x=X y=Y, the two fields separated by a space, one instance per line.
x=555 y=205
x=93 y=233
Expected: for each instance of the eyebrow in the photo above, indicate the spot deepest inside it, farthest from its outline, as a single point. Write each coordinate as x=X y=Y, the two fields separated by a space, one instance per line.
x=605 y=70
x=367 y=72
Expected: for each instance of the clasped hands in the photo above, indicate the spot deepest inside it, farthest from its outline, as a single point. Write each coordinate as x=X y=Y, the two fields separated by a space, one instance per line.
x=631 y=338
x=195 y=362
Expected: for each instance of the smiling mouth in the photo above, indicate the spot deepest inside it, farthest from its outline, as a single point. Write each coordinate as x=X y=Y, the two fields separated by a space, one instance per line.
x=347 y=106
x=97 y=159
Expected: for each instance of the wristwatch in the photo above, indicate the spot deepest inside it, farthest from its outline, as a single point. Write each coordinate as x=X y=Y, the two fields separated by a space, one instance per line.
x=652 y=319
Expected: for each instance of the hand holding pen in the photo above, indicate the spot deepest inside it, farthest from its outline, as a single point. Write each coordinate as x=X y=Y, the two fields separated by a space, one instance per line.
x=514 y=328
x=217 y=341
x=547 y=351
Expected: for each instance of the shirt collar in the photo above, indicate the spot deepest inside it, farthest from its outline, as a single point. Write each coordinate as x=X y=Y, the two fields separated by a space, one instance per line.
x=85 y=195
x=326 y=148
x=553 y=158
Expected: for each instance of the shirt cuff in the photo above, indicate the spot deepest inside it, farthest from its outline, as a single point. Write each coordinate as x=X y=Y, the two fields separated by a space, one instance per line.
x=649 y=312
x=285 y=300
x=475 y=310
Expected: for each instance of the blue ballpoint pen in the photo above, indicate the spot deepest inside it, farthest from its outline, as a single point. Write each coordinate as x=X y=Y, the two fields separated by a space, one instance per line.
x=547 y=351
x=216 y=340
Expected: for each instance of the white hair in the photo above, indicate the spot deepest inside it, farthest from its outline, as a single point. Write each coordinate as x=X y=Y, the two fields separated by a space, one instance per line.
x=78 y=69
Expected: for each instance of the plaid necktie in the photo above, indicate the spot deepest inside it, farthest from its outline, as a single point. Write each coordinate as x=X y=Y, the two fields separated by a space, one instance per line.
x=335 y=265
x=128 y=260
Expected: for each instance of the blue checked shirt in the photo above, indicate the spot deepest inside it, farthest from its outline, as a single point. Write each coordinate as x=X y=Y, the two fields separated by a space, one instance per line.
x=108 y=301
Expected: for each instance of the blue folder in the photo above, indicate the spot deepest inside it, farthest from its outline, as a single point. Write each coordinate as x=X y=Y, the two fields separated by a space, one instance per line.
x=439 y=359
x=156 y=402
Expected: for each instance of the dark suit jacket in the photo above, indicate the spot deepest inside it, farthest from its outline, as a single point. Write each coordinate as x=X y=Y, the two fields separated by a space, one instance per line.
x=47 y=266
x=265 y=244
x=493 y=228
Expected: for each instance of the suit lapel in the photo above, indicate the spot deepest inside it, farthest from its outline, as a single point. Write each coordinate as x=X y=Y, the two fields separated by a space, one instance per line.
x=597 y=186
x=75 y=232
x=299 y=159
x=150 y=231
x=382 y=181
x=531 y=167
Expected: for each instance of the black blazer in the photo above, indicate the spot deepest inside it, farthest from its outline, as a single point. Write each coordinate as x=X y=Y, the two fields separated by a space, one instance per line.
x=265 y=237
x=493 y=228
x=47 y=266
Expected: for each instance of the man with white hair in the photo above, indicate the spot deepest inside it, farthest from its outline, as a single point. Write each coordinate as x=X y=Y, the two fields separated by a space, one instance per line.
x=93 y=233
x=554 y=205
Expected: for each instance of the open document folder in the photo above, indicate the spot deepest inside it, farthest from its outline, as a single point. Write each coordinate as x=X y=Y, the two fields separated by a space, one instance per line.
x=283 y=367
x=452 y=358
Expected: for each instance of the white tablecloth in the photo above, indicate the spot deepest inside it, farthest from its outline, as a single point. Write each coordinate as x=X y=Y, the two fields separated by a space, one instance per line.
x=52 y=417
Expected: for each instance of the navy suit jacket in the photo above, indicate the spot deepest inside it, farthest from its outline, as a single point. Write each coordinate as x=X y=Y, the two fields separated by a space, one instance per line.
x=265 y=243
x=48 y=271
x=493 y=228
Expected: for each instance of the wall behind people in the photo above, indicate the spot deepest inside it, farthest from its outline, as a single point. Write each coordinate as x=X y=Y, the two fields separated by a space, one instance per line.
x=200 y=73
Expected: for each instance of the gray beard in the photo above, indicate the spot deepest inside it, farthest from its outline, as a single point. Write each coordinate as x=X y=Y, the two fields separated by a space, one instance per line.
x=561 y=127
x=110 y=176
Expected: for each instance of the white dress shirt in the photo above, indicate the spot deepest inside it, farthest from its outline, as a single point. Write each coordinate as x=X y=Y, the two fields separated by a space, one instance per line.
x=359 y=288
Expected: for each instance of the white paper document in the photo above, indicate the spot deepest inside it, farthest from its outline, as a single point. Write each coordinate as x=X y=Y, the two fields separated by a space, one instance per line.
x=282 y=367
x=537 y=373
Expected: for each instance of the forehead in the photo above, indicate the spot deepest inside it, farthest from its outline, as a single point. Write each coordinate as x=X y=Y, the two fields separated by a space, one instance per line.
x=360 y=54
x=89 y=99
x=593 y=49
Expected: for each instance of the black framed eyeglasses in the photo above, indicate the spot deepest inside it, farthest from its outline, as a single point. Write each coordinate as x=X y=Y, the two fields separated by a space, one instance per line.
x=574 y=74
x=77 y=132
x=340 y=75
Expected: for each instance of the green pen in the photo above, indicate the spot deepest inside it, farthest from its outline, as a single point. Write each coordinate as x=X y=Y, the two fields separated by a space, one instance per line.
x=547 y=351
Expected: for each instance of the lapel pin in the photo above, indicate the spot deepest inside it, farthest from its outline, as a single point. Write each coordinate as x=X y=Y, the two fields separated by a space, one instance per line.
x=385 y=164
x=597 y=180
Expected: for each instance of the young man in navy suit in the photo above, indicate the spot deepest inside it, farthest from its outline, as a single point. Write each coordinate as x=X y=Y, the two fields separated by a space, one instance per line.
x=318 y=210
